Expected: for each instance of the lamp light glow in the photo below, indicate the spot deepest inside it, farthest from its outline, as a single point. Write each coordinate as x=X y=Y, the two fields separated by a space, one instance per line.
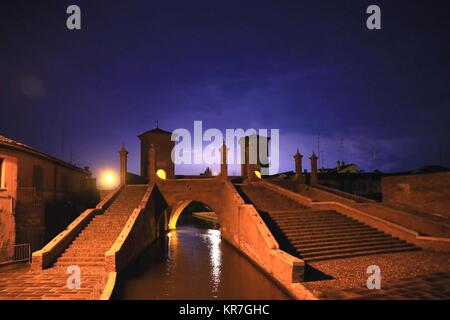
x=161 y=174
x=108 y=179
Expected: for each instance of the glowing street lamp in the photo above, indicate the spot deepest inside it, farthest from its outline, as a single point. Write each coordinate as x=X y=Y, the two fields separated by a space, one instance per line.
x=108 y=179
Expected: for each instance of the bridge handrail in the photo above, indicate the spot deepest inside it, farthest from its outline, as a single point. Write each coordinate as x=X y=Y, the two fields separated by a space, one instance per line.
x=404 y=233
x=282 y=266
x=44 y=257
x=110 y=255
x=290 y=194
x=343 y=195
x=233 y=190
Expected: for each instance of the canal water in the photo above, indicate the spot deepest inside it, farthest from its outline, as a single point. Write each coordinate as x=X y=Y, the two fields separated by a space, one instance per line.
x=193 y=262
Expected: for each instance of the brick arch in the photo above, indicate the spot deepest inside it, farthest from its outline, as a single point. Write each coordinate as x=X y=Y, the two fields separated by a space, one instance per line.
x=180 y=193
x=177 y=209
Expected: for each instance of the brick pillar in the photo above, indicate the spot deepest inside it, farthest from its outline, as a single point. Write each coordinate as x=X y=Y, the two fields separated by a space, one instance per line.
x=313 y=159
x=244 y=159
x=251 y=172
x=224 y=164
x=151 y=163
x=123 y=165
x=298 y=167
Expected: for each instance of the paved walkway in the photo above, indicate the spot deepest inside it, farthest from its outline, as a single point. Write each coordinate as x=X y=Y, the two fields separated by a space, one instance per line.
x=87 y=252
x=50 y=284
x=435 y=286
x=406 y=275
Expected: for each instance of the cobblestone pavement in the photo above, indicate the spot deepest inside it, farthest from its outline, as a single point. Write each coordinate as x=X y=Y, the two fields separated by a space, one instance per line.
x=435 y=286
x=406 y=275
x=24 y=284
x=87 y=252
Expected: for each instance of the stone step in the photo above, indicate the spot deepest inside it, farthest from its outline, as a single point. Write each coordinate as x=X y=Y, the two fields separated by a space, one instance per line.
x=89 y=254
x=80 y=264
x=317 y=219
x=369 y=231
x=313 y=221
x=316 y=249
x=101 y=237
x=342 y=239
x=302 y=212
x=357 y=249
x=89 y=246
x=75 y=260
x=327 y=226
x=359 y=253
x=347 y=230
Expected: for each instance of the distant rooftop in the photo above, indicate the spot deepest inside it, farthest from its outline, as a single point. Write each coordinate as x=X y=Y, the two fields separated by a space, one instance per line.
x=7 y=142
x=421 y=170
x=156 y=130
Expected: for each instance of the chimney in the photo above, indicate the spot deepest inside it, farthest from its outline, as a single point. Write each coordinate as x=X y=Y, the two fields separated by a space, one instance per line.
x=313 y=179
x=123 y=165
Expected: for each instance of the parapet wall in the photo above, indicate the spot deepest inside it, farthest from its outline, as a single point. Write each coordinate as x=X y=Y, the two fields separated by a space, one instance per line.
x=45 y=257
x=428 y=192
x=139 y=232
x=243 y=227
x=371 y=214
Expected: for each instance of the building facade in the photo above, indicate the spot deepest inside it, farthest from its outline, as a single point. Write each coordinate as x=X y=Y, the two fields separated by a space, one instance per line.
x=39 y=194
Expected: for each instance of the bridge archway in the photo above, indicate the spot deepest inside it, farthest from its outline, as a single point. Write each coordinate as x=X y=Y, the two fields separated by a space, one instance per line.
x=179 y=207
x=180 y=193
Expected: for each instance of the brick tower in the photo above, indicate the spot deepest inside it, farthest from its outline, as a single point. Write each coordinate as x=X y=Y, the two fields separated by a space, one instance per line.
x=161 y=140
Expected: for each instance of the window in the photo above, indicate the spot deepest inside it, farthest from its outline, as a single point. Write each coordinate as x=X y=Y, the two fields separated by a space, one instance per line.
x=2 y=173
x=38 y=178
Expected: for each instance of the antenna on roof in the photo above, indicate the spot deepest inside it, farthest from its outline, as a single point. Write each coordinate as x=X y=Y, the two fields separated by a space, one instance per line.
x=374 y=159
x=157 y=124
x=321 y=159
x=62 y=144
x=342 y=150
x=318 y=145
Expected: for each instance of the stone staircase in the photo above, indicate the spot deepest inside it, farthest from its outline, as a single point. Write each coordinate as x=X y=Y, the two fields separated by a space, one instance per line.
x=87 y=251
x=89 y=247
x=317 y=235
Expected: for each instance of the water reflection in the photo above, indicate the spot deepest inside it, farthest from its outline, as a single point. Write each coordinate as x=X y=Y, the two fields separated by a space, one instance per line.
x=194 y=263
x=212 y=238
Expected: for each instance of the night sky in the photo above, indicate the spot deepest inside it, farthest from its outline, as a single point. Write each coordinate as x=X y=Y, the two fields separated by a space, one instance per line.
x=305 y=67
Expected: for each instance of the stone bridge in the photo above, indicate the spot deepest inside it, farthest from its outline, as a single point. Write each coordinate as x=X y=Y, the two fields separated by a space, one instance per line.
x=292 y=236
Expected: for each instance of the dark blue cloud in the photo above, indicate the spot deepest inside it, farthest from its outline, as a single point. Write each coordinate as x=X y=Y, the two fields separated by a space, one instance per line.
x=304 y=67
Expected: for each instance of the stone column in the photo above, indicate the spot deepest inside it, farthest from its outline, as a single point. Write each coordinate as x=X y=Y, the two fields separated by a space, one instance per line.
x=313 y=159
x=298 y=166
x=251 y=172
x=151 y=163
x=224 y=165
x=244 y=159
x=123 y=165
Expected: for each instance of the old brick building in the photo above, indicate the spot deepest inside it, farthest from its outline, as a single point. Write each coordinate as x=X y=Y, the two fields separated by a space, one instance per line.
x=39 y=194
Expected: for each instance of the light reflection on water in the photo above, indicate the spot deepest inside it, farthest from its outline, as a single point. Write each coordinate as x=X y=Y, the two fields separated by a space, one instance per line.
x=193 y=263
x=212 y=238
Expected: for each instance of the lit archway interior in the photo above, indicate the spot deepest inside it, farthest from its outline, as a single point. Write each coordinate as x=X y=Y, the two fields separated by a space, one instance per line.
x=178 y=208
